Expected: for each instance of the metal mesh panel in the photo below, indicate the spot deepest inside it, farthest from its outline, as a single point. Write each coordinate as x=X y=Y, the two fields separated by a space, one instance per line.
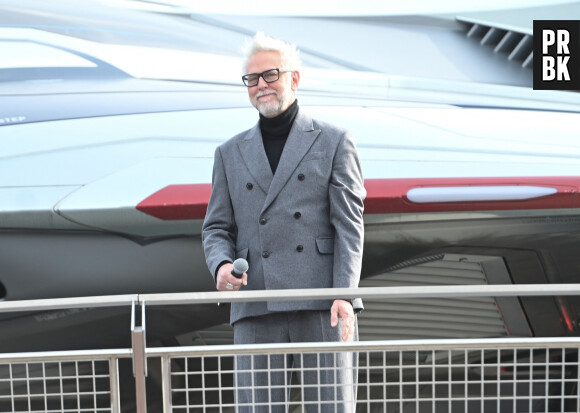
x=458 y=380
x=56 y=386
x=209 y=384
x=201 y=382
x=461 y=381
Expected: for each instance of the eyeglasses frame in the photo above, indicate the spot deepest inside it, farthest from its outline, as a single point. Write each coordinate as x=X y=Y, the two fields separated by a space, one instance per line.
x=261 y=75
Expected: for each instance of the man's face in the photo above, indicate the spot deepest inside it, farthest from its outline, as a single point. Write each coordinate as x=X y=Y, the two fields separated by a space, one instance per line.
x=271 y=99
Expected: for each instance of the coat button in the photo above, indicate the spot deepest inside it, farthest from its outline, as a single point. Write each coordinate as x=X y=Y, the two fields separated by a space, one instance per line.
x=297 y=215
x=263 y=221
x=299 y=248
x=301 y=177
x=265 y=254
x=249 y=186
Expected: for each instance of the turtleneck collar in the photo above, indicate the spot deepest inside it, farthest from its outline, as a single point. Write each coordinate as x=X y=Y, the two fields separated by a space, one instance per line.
x=275 y=132
x=279 y=126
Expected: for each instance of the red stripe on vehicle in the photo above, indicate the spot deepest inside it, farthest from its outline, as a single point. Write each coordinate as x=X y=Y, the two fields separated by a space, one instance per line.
x=177 y=202
x=384 y=196
x=390 y=195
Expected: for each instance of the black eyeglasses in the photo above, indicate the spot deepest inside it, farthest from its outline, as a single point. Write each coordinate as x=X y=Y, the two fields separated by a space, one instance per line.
x=269 y=76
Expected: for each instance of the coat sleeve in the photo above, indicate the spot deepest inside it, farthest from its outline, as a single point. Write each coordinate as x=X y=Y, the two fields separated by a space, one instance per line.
x=346 y=197
x=219 y=227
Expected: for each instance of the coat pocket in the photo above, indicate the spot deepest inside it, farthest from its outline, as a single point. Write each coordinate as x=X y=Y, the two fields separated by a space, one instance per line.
x=325 y=245
x=314 y=156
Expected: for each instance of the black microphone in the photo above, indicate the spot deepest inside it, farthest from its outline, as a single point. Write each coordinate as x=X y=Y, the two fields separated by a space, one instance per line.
x=240 y=267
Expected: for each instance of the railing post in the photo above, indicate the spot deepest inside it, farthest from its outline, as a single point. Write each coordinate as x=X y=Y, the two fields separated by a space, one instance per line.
x=115 y=385
x=138 y=340
x=166 y=383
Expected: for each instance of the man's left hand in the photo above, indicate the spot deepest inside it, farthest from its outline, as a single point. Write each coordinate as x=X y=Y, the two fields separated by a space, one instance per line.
x=343 y=309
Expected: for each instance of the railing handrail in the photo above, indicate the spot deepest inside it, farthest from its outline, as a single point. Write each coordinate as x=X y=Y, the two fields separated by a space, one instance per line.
x=275 y=348
x=395 y=345
x=65 y=355
x=47 y=304
x=432 y=291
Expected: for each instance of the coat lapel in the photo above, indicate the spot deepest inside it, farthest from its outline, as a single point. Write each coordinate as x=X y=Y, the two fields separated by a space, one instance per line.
x=301 y=137
x=254 y=155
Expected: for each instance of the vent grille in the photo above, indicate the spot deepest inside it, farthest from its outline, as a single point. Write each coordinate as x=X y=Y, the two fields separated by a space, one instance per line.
x=515 y=45
x=432 y=318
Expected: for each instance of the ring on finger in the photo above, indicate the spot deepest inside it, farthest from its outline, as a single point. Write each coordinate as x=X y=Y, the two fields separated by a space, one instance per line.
x=229 y=286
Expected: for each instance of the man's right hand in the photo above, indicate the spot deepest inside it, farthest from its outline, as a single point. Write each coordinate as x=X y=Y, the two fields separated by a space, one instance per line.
x=224 y=276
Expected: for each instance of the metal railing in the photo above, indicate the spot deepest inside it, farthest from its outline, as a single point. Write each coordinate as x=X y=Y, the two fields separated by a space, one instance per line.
x=487 y=375
x=79 y=381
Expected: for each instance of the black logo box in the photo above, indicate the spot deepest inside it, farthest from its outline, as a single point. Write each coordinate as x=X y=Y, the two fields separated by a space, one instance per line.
x=573 y=62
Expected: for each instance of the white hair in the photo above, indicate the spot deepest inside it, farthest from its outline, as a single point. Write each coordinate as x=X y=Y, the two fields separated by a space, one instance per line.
x=289 y=54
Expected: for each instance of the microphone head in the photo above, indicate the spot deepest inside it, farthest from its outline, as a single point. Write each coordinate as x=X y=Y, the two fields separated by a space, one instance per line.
x=241 y=266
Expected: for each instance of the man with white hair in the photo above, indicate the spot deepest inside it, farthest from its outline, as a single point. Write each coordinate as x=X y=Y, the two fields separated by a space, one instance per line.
x=287 y=195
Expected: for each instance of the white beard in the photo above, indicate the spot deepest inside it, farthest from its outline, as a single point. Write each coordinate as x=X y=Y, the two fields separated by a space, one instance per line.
x=274 y=108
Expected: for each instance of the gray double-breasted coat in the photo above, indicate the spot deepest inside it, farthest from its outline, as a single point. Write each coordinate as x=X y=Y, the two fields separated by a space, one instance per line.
x=299 y=228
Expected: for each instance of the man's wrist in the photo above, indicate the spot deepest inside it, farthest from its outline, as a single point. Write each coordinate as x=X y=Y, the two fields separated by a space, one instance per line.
x=217 y=270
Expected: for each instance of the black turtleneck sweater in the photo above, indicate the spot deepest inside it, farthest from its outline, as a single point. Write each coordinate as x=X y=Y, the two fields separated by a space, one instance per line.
x=275 y=132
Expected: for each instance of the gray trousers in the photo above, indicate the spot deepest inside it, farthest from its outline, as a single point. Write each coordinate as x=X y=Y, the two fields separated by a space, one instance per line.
x=327 y=381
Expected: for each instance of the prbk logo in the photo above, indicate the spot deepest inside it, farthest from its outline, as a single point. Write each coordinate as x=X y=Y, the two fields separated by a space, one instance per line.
x=557 y=54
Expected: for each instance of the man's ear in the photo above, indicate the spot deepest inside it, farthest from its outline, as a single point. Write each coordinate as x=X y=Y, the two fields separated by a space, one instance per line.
x=295 y=80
